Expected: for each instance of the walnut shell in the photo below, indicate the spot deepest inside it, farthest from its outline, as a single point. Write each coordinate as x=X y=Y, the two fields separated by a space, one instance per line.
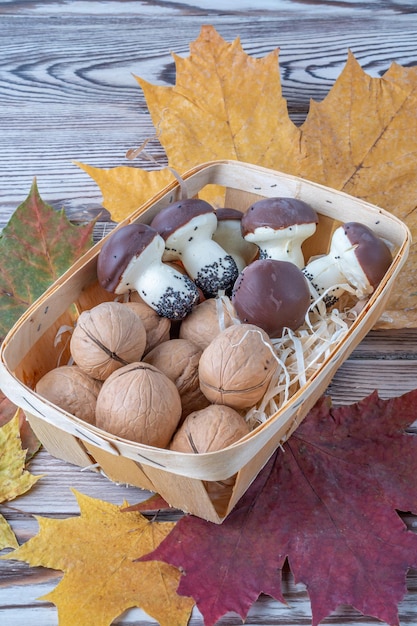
x=157 y=327
x=237 y=367
x=71 y=389
x=178 y=359
x=107 y=337
x=140 y=403
x=207 y=320
x=210 y=429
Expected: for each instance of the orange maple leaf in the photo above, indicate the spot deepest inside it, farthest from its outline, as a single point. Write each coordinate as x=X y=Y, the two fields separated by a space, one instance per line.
x=97 y=553
x=361 y=139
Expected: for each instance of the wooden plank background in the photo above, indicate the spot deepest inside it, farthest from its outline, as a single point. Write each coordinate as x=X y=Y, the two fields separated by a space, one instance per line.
x=67 y=93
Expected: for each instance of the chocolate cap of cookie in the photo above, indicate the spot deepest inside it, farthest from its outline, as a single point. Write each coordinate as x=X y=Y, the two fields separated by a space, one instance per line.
x=279 y=227
x=119 y=249
x=131 y=260
x=271 y=294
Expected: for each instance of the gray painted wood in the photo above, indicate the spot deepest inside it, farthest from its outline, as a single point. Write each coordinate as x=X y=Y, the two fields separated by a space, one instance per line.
x=67 y=93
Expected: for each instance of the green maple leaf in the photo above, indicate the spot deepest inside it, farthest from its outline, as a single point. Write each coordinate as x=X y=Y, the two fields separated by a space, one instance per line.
x=36 y=247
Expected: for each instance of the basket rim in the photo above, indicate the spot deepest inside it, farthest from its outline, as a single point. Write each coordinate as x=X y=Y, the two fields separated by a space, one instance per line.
x=199 y=462
x=174 y=185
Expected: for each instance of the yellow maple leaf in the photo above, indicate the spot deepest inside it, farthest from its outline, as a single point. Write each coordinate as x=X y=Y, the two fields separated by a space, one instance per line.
x=7 y=536
x=225 y=104
x=216 y=110
x=362 y=139
x=124 y=188
x=97 y=552
x=14 y=479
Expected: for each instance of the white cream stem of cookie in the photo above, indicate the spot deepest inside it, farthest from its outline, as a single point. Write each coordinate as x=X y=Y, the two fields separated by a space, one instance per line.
x=228 y=235
x=279 y=226
x=131 y=260
x=340 y=266
x=161 y=286
x=283 y=244
x=208 y=264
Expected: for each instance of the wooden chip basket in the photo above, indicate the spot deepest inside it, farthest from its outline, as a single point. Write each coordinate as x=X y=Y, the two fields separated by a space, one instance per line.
x=185 y=480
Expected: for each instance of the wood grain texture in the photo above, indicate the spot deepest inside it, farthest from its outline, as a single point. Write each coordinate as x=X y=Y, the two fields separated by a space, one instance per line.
x=67 y=93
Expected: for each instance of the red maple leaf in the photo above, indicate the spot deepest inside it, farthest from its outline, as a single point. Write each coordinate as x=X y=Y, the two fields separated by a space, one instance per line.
x=152 y=505
x=328 y=502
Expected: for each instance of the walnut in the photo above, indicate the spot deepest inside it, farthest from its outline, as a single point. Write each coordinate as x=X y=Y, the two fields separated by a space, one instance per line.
x=212 y=428
x=237 y=367
x=107 y=337
x=207 y=320
x=157 y=327
x=178 y=359
x=140 y=403
x=71 y=389
x=208 y=430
